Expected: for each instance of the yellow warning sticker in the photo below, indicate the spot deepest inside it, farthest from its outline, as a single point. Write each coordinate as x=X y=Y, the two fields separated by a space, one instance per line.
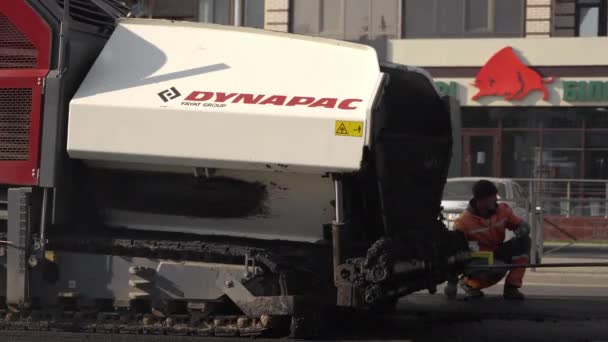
x=349 y=128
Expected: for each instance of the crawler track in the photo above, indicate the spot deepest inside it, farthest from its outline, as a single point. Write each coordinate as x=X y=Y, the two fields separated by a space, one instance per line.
x=141 y=318
x=135 y=324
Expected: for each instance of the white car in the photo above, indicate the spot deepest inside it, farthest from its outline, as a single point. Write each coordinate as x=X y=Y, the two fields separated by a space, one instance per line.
x=458 y=192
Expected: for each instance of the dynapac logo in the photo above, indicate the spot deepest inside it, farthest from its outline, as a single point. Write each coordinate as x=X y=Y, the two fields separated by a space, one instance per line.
x=505 y=75
x=220 y=99
x=169 y=94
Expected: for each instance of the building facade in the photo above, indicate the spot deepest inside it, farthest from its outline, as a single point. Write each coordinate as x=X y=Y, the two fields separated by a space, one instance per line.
x=374 y=20
x=542 y=110
x=250 y=12
x=403 y=19
x=559 y=44
x=530 y=108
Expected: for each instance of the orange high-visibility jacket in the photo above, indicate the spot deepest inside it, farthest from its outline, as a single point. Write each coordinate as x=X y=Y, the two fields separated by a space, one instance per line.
x=489 y=233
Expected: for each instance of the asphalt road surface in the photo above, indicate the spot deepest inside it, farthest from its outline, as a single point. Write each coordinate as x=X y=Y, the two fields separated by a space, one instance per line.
x=410 y=329
x=562 y=305
x=424 y=317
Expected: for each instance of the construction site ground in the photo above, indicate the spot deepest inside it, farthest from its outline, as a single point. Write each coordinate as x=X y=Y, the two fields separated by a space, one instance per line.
x=561 y=305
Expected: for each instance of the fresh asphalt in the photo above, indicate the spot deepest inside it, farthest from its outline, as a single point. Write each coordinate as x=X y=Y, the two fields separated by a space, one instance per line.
x=561 y=305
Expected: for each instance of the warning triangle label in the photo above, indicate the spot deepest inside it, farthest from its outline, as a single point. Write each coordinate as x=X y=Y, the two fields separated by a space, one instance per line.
x=342 y=130
x=349 y=128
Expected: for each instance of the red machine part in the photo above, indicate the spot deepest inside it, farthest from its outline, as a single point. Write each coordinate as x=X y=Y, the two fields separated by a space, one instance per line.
x=25 y=44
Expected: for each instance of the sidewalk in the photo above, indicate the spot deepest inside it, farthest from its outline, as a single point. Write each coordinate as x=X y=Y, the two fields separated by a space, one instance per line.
x=554 y=297
x=493 y=306
x=563 y=282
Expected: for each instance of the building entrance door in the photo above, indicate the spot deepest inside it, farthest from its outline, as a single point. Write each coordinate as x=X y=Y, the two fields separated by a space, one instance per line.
x=481 y=154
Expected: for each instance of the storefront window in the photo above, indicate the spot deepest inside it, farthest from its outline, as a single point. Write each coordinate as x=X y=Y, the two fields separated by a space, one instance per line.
x=596 y=155
x=542 y=142
x=596 y=141
x=561 y=118
x=596 y=164
x=561 y=164
x=481 y=155
x=561 y=154
x=537 y=117
x=597 y=118
x=520 y=118
x=562 y=140
x=520 y=154
x=480 y=117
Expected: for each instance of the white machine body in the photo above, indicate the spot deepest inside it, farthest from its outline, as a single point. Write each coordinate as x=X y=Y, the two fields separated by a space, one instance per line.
x=189 y=94
x=279 y=109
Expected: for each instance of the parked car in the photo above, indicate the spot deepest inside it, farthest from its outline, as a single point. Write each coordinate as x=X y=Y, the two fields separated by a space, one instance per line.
x=458 y=192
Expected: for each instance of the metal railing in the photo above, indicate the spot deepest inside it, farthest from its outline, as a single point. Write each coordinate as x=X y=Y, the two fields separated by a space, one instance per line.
x=551 y=198
x=568 y=197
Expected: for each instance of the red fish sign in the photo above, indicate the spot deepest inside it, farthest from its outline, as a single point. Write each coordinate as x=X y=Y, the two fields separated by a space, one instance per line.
x=505 y=75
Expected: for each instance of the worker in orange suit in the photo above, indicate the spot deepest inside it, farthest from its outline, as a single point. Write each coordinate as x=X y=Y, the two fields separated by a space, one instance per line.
x=484 y=224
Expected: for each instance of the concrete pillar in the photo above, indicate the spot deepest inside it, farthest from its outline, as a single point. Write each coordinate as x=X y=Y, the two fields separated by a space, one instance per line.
x=538 y=18
x=277 y=15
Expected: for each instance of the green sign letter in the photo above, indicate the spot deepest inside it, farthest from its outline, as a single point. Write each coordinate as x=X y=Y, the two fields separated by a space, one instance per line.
x=570 y=91
x=448 y=89
x=595 y=90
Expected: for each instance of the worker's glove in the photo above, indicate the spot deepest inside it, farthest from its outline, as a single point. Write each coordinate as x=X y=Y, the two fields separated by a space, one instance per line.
x=522 y=230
